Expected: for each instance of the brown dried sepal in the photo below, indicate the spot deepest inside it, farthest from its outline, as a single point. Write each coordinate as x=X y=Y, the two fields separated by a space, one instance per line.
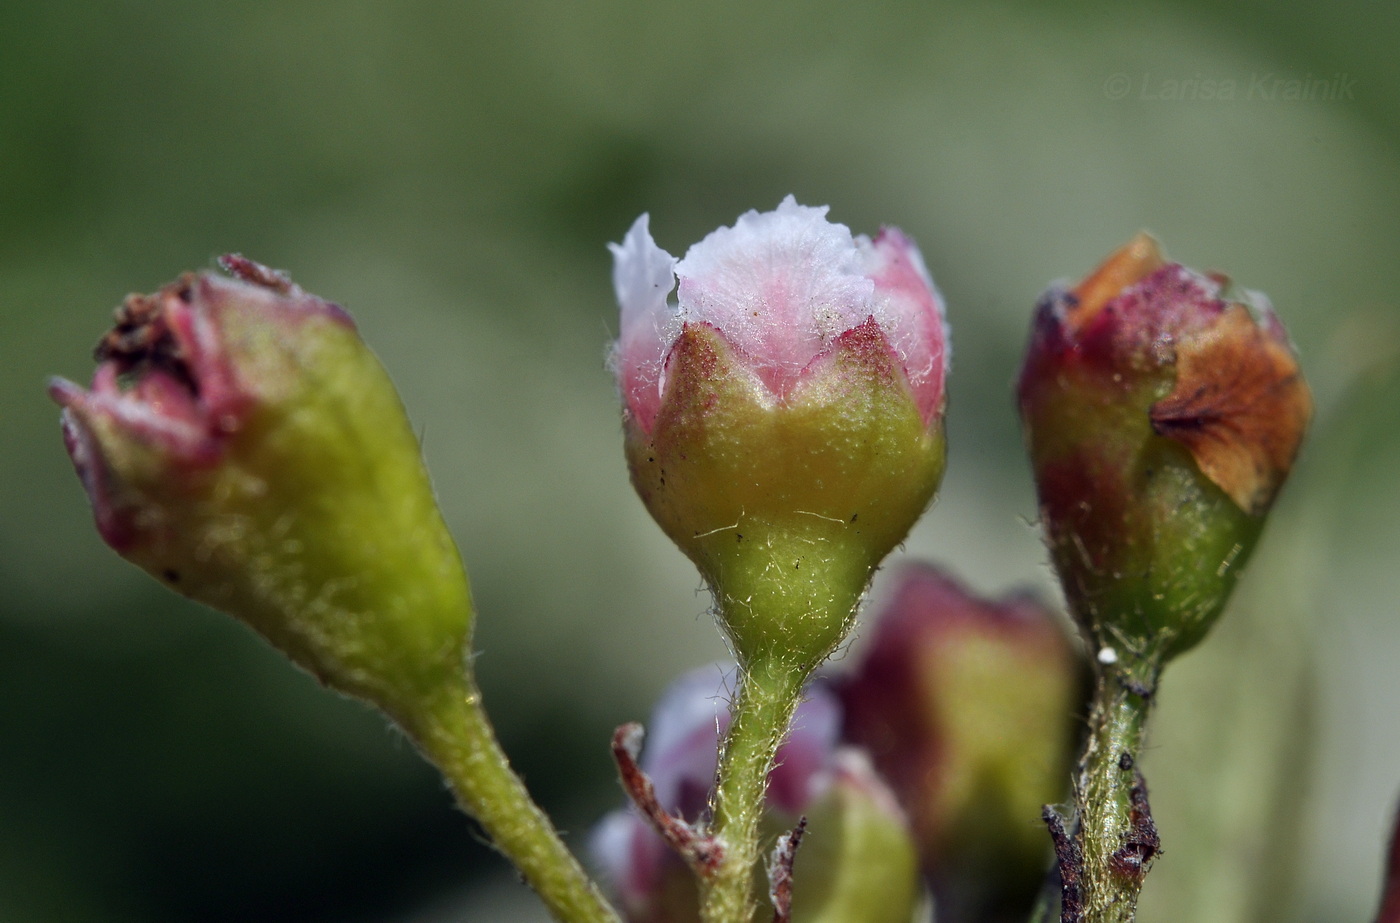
x=139 y=334
x=1069 y=860
x=1141 y=843
x=780 y=871
x=141 y=337
x=1239 y=405
x=701 y=852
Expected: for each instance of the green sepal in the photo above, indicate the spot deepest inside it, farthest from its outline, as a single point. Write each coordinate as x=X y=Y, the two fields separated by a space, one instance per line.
x=857 y=862
x=1148 y=547
x=314 y=521
x=786 y=506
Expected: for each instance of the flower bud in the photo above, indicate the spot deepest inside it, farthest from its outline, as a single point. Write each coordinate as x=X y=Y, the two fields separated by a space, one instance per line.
x=856 y=845
x=858 y=862
x=784 y=417
x=968 y=708
x=241 y=444
x=1162 y=410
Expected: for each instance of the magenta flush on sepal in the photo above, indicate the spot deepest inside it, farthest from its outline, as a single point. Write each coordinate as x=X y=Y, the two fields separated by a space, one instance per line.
x=969 y=709
x=784 y=415
x=1162 y=410
x=242 y=445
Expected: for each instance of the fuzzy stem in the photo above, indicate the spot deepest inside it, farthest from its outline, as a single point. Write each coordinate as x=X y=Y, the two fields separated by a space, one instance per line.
x=1116 y=835
x=769 y=692
x=456 y=736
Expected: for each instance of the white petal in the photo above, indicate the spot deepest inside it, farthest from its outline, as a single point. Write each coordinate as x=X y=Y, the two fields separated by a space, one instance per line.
x=685 y=728
x=643 y=275
x=780 y=285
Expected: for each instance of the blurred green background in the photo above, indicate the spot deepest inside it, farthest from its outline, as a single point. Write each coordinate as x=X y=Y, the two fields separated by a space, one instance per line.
x=451 y=173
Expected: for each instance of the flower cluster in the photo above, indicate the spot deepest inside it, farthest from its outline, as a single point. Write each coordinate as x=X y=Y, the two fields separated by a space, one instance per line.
x=954 y=726
x=783 y=423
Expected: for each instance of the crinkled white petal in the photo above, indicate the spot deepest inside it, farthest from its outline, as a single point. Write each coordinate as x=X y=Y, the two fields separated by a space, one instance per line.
x=780 y=285
x=643 y=276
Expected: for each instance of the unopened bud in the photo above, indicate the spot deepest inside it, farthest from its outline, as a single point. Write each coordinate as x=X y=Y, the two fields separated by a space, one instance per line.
x=1162 y=410
x=969 y=709
x=241 y=444
x=784 y=419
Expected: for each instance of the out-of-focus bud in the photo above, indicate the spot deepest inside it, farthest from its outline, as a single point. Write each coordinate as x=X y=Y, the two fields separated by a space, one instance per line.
x=969 y=709
x=858 y=862
x=784 y=417
x=1162 y=410
x=1390 y=886
x=242 y=445
x=857 y=838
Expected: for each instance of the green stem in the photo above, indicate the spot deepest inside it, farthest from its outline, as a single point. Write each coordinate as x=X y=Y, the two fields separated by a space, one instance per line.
x=768 y=695
x=457 y=737
x=1116 y=835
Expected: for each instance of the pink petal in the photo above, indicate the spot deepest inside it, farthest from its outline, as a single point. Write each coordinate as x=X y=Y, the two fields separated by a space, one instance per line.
x=643 y=276
x=911 y=313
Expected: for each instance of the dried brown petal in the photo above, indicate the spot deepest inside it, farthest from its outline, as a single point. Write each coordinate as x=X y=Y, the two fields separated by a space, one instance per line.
x=1125 y=267
x=1239 y=405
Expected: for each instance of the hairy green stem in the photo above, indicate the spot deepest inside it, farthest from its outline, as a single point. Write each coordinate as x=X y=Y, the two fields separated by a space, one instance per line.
x=768 y=696
x=456 y=736
x=1117 y=838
